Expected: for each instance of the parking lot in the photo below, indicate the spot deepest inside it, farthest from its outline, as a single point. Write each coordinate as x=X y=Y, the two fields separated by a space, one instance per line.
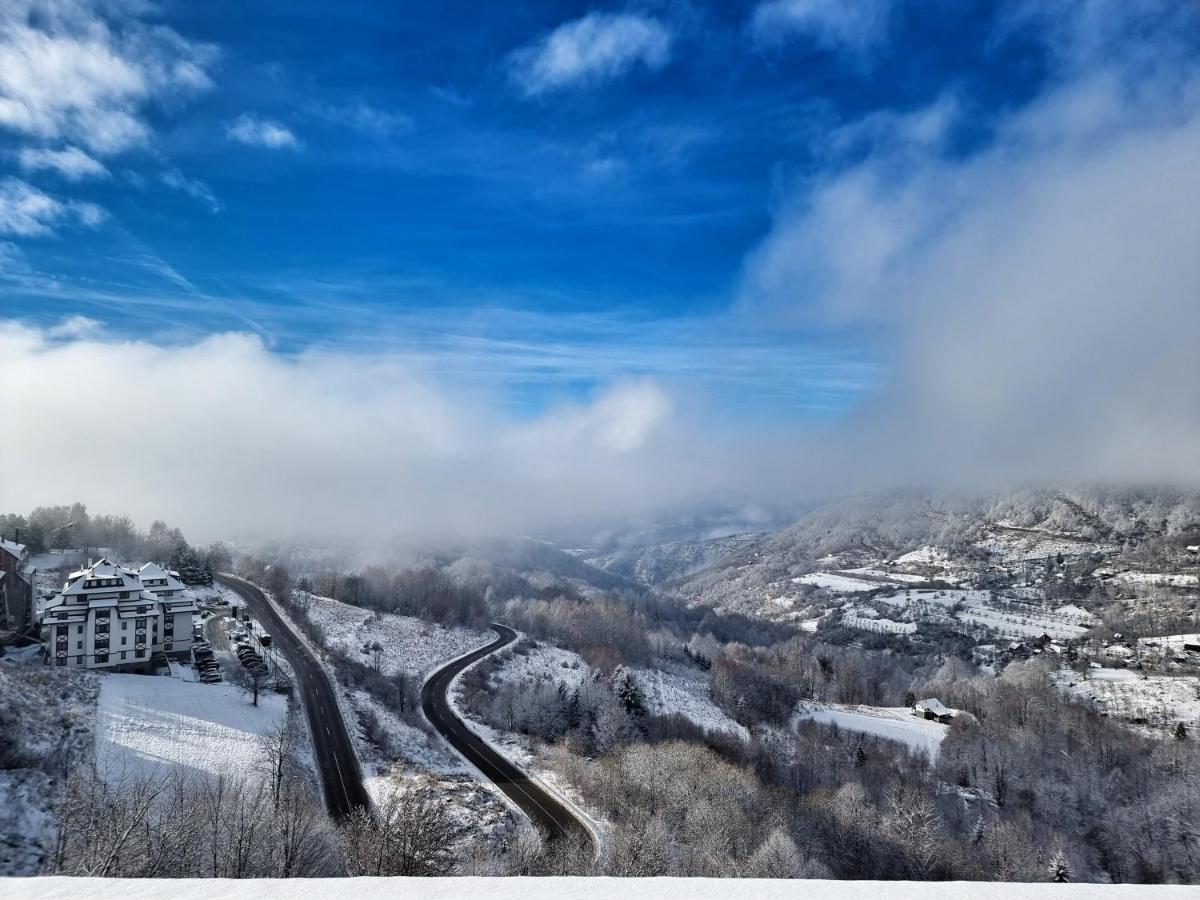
x=228 y=647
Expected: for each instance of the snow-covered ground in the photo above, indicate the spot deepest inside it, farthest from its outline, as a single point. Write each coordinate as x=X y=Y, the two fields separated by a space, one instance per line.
x=544 y=662
x=886 y=575
x=877 y=624
x=1008 y=619
x=409 y=645
x=26 y=822
x=413 y=745
x=1158 y=701
x=1156 y=579
x=925 y=556
x=1169 y=642
x=895 y=723
x=146 y=725
x=1012 y=544
x=685 y=692
x=52 y=711
x=840 y=584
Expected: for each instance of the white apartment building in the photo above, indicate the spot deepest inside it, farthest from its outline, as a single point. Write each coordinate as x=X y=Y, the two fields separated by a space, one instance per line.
x=112 y=617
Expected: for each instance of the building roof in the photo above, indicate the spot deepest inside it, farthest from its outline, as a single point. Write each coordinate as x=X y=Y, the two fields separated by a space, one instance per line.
x=12 y=548
x=936 y=707
x=154 y=572
x=102 y=569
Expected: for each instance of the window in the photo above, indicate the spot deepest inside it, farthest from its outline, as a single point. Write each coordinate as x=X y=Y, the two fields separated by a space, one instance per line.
x=101 y=657
x=124 y=641
x=79 y=645
x=124 y=626
x=122 y=654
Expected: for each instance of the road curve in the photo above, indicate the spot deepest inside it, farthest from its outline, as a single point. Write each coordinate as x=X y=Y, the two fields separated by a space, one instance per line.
x=335 y=756
x=547 y=812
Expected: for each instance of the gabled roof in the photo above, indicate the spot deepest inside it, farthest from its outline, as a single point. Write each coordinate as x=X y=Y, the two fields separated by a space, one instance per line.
x=102 y=569
x=936 y=707
x=154 y=572
x=13 y=549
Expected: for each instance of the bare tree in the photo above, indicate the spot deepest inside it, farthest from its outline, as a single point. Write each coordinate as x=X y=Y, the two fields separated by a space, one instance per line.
x=410 y=834
x=279 y=748
x=303 y=844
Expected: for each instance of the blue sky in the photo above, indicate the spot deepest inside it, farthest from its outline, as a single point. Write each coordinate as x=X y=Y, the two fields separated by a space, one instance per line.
x=397 y=178
x=517 y=267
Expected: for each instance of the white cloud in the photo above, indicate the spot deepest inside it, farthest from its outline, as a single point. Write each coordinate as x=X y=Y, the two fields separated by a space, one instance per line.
x=362 y=117
x=325 y=445
x=257 y=132
x=26 y=211
x=851 y=25
x=86 y=71
x=74 y=327
x=597 y=47
x=1038 y=296
x=72 y=163
x=193 y=187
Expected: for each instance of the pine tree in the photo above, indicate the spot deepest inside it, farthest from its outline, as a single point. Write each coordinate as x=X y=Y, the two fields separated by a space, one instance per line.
x=1181 y=732
x=1059 y=871
x=626 y=690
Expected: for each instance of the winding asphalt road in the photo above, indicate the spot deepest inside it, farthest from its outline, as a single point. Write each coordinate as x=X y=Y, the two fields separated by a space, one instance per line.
x=335 y=756
x=548 y=813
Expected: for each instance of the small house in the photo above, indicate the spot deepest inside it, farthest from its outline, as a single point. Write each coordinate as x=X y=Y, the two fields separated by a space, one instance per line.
x=933 y=710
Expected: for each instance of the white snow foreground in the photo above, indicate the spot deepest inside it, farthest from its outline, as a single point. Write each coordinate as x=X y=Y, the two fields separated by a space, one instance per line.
x=567 y=889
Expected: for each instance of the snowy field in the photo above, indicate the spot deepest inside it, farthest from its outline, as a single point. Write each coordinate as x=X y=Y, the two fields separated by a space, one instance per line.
x=839 y=584
x=147 y=724
x=924 y=556
x=409 y=645
x=543 y=663
x=1156 y=579
x=895 y=723
x=977 y=608
x=685 y=693
x=1169 y=642
x=1154 y=700
x=887 y=575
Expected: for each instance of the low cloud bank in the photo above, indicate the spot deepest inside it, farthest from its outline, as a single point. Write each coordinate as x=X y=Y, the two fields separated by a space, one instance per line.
x=226 y=438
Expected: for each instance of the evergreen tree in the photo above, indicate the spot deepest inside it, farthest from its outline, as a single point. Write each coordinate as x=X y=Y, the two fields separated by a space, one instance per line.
x=626 y=690
x=1181 y=732
x=1059 y=871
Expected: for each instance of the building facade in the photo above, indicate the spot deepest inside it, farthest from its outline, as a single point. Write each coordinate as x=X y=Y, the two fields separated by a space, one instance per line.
x=108 y=616
x=16 y=587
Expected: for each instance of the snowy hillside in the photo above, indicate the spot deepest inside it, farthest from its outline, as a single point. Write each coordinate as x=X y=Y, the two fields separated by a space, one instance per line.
x=46 y=720
x=408 y=644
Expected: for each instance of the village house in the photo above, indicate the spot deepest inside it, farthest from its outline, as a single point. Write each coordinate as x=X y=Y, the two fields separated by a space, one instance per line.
x=934 y=710
x=112 y=617
x=16 y=586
